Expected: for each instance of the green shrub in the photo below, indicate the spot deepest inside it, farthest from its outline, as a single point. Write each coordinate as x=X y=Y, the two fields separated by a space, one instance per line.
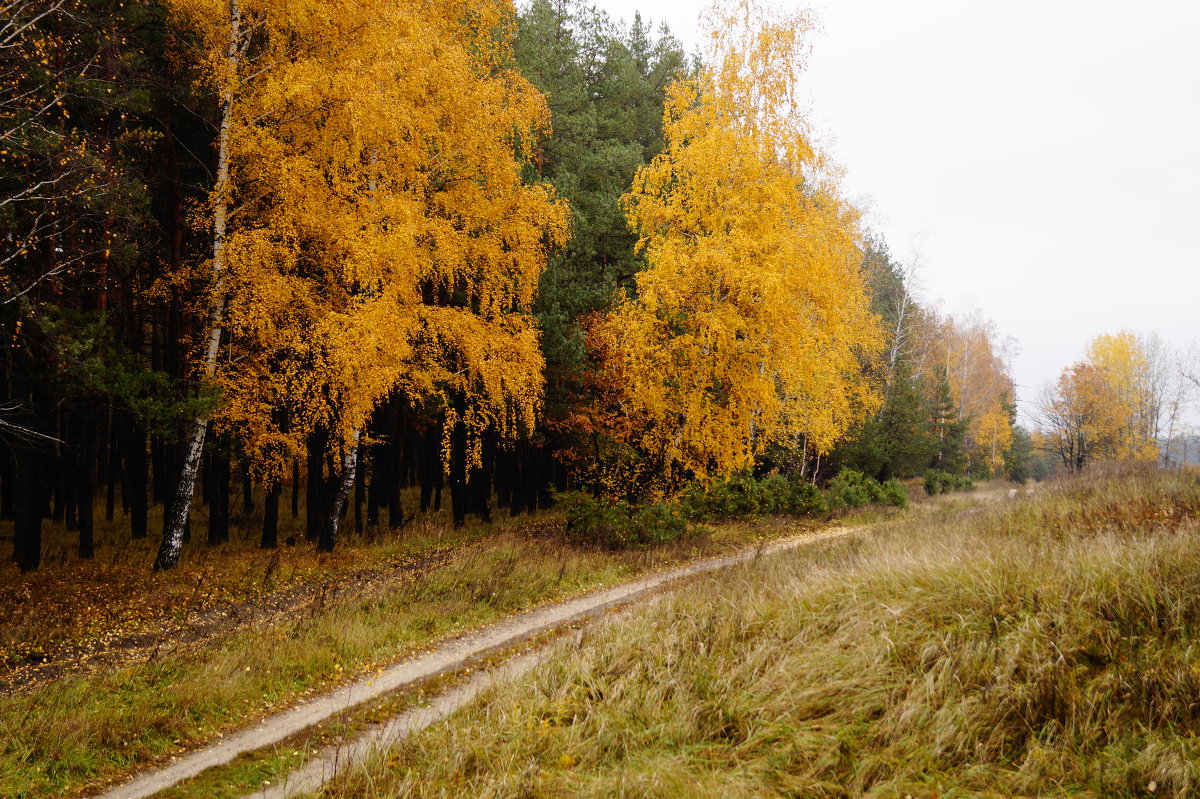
x=853 y=489
x=805 y=499
x=658 y=523
x=894 y=493
x=741 y=496
x=774 y=495
x=618 y=525
x=939 y=482
x=592 y=520
x=735 y=497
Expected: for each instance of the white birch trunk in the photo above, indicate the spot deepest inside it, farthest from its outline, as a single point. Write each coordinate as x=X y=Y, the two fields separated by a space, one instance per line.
x=329 y=529
x=181 y=506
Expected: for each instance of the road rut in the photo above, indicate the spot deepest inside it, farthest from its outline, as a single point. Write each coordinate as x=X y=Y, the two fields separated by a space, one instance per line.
x=450 y=655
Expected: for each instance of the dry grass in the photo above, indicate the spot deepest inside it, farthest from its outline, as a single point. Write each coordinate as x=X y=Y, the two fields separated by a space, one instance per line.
x=361 y=609
x=71 y=612
x=1043 y=647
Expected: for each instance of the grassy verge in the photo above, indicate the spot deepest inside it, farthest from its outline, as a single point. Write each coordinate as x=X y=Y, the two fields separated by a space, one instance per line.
x=1048 y=647
x=51 y=618
x=81 y=730
x=260 y=769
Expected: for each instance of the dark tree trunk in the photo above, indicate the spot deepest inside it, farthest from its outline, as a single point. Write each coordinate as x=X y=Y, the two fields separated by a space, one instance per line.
x=458 y=476
x=136 y=477
x=162 y=466
x=315 y=488
x=479 y=486
x=504 y=477
x=112 y=470
x=68 y=473
x=270 y=528
x=360 y=490
x=31 y=494
x=85 y=488
x=247 y=489
x=439 y=481
x=295 y=488
x=551 y=479
x=396 y=464
x=339 y=492
x=7 y=492
x=519 y=476
x=374 y=486
x=427 y=466
x=218 y=500
x=58 y=495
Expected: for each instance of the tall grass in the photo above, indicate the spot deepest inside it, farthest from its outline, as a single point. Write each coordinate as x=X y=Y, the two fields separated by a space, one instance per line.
x=362 y=608
x=1047 y=647
x=80 y=729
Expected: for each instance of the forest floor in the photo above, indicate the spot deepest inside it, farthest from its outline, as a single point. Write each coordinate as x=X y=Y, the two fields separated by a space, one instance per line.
x=1047 y=646
x=107 y=669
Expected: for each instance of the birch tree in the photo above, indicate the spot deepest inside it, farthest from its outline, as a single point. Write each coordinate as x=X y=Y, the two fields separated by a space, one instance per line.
x=749 y=323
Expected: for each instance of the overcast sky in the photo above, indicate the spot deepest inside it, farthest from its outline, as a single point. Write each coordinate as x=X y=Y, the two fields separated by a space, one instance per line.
x=1041 y=158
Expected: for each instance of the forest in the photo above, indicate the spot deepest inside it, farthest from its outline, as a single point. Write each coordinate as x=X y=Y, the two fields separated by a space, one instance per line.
x=509 y=372
x=346 y=264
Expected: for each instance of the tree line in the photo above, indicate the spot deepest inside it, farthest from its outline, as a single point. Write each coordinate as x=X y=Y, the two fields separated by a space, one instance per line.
x=312 y=254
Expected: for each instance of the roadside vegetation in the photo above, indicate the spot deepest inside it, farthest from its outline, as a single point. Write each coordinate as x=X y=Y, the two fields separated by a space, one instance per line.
x=106 y=671
x=1042 y=647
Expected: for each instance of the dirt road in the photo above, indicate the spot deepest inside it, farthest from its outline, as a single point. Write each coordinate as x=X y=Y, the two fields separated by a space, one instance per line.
x=449 y=656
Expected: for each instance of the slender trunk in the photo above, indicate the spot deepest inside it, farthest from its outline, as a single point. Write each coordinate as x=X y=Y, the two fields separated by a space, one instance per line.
x=315 y=486
x=395 y=480
x=295 y=488
x=360 y=489
x=519 y=477
x=7 y=492
x=429 y=463
x=333 y=514
x=479 y=484
x=112 y=470
x=85 y=489
x=270 y=528
x=164 y=465
x=458 y=474
x=218 y=499
x=503 y=478
x=375 y=486
x=172 y=543
x=61 y=476
x=247 y=489
x=31 y=495
x=135 y=470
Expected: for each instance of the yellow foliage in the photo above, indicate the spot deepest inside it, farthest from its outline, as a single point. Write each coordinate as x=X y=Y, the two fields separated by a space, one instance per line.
x=1125 y=364
x=1084 y=417
x=993 y=436
x=974 y=359
x=751 y=321
x=382 y=239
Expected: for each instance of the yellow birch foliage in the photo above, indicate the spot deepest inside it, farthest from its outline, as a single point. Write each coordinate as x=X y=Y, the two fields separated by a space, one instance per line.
x=992 y=436
x=750 y=322
x=1126 y=366
x=383 y=239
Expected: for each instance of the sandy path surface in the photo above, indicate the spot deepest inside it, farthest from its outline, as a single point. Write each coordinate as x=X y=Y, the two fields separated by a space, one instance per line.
x=450 y=655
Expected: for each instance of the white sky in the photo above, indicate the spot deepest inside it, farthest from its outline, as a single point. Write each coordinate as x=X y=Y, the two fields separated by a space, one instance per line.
x=1043 y=158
